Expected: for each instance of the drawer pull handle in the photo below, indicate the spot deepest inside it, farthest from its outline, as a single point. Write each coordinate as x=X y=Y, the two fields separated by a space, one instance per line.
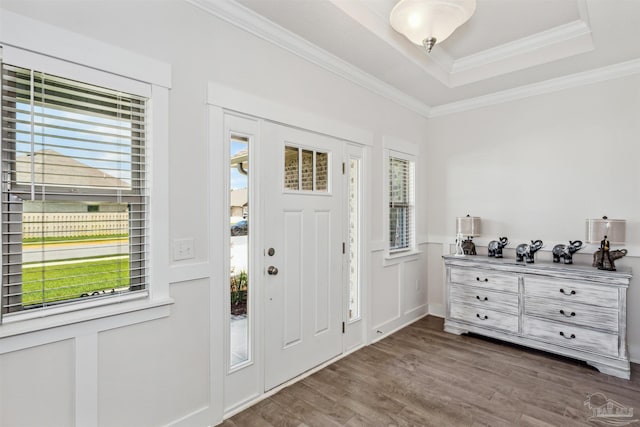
x=485 y=279
x=573 y=313
x=482 y=317
x=482 y=299
x=567 y=293
x=567 y=337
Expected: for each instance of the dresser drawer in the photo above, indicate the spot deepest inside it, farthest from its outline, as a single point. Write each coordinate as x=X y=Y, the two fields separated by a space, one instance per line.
x=570 y=291
x=485 y=279
x=571 y=336
x=573 y=313
x=484 y=298
x=483 y=317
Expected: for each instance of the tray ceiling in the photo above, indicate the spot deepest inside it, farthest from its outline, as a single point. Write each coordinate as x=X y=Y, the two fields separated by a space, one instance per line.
x=508 y=45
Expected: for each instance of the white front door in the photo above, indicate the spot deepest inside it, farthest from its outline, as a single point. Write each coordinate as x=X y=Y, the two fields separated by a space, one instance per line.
x=303 y=253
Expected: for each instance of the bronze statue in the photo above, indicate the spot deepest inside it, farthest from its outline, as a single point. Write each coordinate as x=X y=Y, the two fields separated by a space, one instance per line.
x=603 y=258
x=468 y=247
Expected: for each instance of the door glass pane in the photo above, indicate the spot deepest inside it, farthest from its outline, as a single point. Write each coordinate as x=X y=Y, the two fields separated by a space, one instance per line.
x=322 y=180
x=354 y=239
x=239 y=216
x=291 y=168
x=307 y=170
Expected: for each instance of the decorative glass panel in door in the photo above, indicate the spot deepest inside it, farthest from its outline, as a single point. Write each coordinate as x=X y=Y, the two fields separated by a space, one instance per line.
x=239 y=217
x=354 y=239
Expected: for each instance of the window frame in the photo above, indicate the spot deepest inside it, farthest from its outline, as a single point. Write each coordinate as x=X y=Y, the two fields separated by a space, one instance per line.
x=22 y=190
x=153 y=302
x=391 y=254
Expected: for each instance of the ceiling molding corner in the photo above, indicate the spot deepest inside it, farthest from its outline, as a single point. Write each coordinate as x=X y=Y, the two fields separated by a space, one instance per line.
x=597 y=75
x=543 y=47
x=247 y=20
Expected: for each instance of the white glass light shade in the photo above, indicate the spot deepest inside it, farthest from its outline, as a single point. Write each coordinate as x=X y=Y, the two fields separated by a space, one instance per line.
x=614 y=229
x=468 y=226
x=418 y=20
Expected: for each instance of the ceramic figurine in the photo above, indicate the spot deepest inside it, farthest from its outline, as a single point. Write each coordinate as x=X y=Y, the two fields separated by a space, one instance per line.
x=525 y=251
x=468 y=247
x=566 y=251
x=603 y=258
x=495 y=247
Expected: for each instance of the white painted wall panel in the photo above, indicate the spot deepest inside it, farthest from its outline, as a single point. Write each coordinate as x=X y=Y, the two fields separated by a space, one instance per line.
x=415 y=292
x=152 y=373
x=385 y=293
x=37 y=386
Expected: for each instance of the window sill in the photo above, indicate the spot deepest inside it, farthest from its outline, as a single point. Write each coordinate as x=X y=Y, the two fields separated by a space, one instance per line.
x=107 y=313
x=399 y=257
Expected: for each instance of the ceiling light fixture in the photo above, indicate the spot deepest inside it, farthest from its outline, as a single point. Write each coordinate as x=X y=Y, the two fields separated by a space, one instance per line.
x=427 y=22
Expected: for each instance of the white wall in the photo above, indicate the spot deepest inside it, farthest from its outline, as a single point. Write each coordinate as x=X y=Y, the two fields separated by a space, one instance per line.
x=535 y=169
x=166 y=362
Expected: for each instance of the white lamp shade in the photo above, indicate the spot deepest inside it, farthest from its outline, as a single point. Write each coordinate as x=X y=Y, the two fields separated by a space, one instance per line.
x=468 y=226
x=614 y=229
x=418 y=20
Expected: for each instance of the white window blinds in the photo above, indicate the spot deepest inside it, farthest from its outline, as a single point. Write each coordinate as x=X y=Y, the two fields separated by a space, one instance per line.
x=401 y=204
x=74 y=193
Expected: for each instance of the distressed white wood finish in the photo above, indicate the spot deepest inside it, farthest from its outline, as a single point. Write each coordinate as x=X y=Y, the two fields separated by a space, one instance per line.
x=595 y=334
x=572 y=313
x=485 y=318
x=483 y=298
x=571 y=291
x=485 y=279
x=566 y=335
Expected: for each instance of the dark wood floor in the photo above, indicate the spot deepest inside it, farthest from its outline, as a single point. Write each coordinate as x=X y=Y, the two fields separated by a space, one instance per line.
x=422 y=376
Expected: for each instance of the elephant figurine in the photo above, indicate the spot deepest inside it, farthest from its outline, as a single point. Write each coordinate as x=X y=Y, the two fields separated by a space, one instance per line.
x=468 y=247
x=525 y=251
x=566 y=251
x=495 y=247
x=603 y=259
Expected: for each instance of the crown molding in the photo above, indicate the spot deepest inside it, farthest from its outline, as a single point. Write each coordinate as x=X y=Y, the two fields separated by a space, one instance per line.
x=547 y=46
x=247 y=20
x=610 y=72
x=522 y=46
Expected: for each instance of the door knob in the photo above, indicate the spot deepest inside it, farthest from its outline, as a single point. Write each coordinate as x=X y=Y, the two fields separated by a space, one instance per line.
x=272 y=270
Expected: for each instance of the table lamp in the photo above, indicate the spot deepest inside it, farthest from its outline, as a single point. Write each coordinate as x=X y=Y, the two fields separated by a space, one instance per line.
x=606 y=232
x=468 y=226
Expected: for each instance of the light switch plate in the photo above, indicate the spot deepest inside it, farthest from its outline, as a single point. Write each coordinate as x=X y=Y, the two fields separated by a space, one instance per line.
x=183 y=249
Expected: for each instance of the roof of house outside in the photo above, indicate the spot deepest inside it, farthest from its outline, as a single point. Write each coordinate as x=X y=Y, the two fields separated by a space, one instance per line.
x=239 y=197
x=52 y=168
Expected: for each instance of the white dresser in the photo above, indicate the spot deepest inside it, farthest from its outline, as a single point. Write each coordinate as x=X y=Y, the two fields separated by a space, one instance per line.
x=575 y=311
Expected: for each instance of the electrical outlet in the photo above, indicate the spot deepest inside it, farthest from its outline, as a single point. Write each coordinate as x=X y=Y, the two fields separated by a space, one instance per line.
x=183 y=249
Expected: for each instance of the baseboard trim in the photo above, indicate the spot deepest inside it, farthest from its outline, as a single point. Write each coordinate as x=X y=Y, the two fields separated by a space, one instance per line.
x=436 y=310
x=634 y=353
x=397 y=328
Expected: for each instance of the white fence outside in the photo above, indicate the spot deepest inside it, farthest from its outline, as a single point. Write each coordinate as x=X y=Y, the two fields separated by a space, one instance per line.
x=35 y=224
